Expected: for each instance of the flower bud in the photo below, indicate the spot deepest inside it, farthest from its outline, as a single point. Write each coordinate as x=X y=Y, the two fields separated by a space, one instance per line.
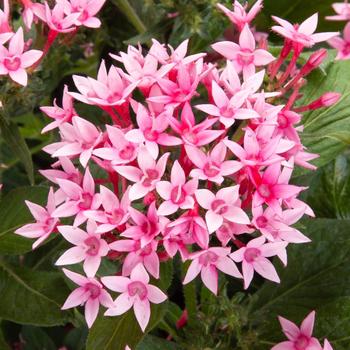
x=317 y=58
x=149 y=198
x=326 y=100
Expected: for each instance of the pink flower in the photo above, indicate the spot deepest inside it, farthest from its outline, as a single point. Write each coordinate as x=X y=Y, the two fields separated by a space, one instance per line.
x=192 y=133
x=90 y=292
x=327 y=345
x=146 y=227
x=87 y=9
x=120 y=150
x=343 y=12
x=114 y=213
x=207 y=262
x=220 y=206
x=178 y=193
x=254 y=258
x=146 y=255
x=229 y=230
x=135 y=292
x=45 y=223
x=212 y=166
x=78 y=198
x=14 y=61
x=60 y=115
x=32 y=12
x=145 y=177
x=270 y=189
x=78 y=139
x=302 y=34
x=228 y=109
x=57 y=20
x=299 y=338
x=245 y=57
x=342 y=45
x=89 y=247
x=239 y=16
x=110 y=89
x=151 y=130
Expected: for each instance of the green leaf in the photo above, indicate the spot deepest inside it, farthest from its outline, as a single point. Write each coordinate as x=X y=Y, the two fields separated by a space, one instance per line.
x=327 y=131
x=32 y=297
x=14 y=213
x=36 y=339
x=114 y=333
x=317 y=276
x=151 y=342
x=166 y=272
x=3 y=343
x=334 y=180
x=15 y=140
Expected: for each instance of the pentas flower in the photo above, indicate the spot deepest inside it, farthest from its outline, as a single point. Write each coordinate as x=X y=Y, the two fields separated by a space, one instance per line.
x=224 y=205
x=87 y=9
x=119 y=150
x=60 y=115
x=151 y=130
x=45 y=223
x=15 y=60
x=90 y=292
x=228 y=109
x=135 y=292
x=192 y=133
x=78 y=139
x=79 y=198
x=229 y=230
x=32 y=12
x=114 y=213
x=299 y=338
x=136 y=255
x=342 y=45
x=146 y=176
x=302 y=34
x=207 y=262
x=89 y=247
x=342 y=10
x=178 y=193
x=57 y=20
x=254 y=258
x=211 y=166
x=146 y=227
x=109 y=89
x=245 y=57
x=239 y=16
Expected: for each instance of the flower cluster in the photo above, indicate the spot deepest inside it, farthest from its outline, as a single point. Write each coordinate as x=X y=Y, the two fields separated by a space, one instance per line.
x=65 y=16
x=197 y=160
x=300 y=338
x=341 y=44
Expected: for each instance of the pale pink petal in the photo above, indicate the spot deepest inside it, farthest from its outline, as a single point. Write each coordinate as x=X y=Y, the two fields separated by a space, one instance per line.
x=164 y=189
x=246 y=39
x=116 y=283
x=123 y=303
x=265 y=268
x=91 y=311
x=142 y=311
x=204 y=198
x=213 y=220
x=139 y=274
x=209 y=276
x=286 y=345
x=91 y=265
x=19 y=76
x=227 y=266
x=309 y=25
x=71 y=256
x=192 y=272
x=307 y=326
x=76 y=298
x=155 y=295
x=227 y=49
x=248 y=273
x=167 y=208
x=289 y=328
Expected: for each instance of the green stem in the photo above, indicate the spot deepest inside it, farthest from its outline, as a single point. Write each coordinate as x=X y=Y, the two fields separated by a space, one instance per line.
x=131 y=14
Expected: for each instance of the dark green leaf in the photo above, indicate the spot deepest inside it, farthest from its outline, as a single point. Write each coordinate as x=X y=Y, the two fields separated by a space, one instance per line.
x=150 y=342
x=114 y=333
x=15 y=140
x=317 y=277
x=14 y=213
x=3 y=343
x=32 y=297
x=36 y=339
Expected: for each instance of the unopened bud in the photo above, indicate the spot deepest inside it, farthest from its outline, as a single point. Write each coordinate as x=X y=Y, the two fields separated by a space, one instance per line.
x=317 y=58
x=326 y=100
x=149 y=198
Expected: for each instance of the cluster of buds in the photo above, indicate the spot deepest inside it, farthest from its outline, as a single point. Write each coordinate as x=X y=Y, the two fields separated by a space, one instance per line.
x=341 y=43
x=197 y=161
x=16 y=57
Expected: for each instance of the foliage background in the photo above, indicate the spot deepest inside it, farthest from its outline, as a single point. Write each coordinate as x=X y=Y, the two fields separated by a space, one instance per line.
x=318 y=274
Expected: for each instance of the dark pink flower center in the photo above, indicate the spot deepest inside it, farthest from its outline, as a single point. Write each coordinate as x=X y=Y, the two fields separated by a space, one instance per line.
x=116 y=216
x=151 y=175
x=302 y=342
x=251 y=254
x=93 y=245
x=190 y=136
x=346 y=49
x=12 y=63
x=151 y=135
x=211 y=169
x=264 y=191
x=245 y=57
x=282 y=121
x=86 y=201
x=208 y=258
x=94 y=290
x=219 y=206
x=227 y=112
x=127 y=152
x=149 y=228
x=178 y=195
x=84 y=16
x=137 y=288
x=261 y=221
